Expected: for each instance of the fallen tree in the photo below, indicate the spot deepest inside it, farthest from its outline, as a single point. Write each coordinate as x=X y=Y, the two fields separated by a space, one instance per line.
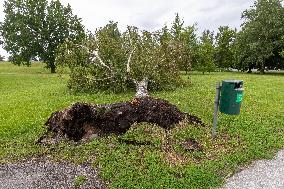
x=110 y=60
x=87 y=121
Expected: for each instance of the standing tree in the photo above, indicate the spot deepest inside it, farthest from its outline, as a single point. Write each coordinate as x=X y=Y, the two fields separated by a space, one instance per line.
x=110 y=60
x=224 y=53
x=35 y=28
x=184 y=44
x=189 y=48
x=206 y=53
x=176 y=42
x=259 y=42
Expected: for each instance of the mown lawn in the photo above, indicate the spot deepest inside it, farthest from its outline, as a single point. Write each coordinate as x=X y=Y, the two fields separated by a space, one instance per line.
x=29 y=95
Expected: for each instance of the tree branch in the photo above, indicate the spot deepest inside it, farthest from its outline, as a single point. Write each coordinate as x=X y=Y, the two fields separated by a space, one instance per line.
x=96 y=56
x=128 y=69
x=102 y=79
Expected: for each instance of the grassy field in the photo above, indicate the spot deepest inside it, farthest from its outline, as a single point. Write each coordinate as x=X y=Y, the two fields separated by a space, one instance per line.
x=29 y=95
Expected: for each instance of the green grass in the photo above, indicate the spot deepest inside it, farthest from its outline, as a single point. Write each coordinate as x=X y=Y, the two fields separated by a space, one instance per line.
x=79 y=180
x=29 y=95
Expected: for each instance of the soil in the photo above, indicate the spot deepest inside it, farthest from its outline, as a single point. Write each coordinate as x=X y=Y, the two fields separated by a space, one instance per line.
x=191 y=145
x=87 y=121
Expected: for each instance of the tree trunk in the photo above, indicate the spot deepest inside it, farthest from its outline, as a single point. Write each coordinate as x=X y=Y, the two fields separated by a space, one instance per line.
x=85 y=121
x=51 y=65
x=142 y=88
x=52 y=70
x=261 y=71
x=262 y=68
x=249 y=71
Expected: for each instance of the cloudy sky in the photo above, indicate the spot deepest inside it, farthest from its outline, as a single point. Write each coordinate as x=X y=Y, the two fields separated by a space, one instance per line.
x=153 y=14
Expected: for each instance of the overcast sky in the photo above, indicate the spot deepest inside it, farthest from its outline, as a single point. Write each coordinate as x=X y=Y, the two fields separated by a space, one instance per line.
x=153 y=14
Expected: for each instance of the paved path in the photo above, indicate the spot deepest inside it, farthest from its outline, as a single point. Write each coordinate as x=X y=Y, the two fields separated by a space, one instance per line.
x=263 y=174
x=44 y=174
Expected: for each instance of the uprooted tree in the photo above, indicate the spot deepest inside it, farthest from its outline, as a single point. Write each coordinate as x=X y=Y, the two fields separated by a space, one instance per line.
x=110 y=60
x=115 y=61
x=88 y=121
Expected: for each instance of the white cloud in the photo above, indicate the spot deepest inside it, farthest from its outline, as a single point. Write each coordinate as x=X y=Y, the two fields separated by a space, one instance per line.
x=153 y=14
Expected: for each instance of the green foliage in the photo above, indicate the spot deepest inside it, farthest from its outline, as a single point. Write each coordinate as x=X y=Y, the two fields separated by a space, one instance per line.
x=206 y=52
x=282 y=53
x=114 y=61
x=259 y=42
x=1 y=58
x=224 y=52
x=86 y=71
x=79 y=180
x=35 y=28
x=183 y=44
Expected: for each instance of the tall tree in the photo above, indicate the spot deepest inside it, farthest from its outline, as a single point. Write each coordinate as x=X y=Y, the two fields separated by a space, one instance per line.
x=189 y=48
x=259 y=42
x=243 y=61
x=35 y=28
x=176 y=42
x=177 y=27
x=224 y=52
x=184 y=44
x=206 y=52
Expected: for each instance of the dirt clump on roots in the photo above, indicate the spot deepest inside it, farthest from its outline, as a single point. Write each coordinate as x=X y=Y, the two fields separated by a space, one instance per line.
x=87 y=121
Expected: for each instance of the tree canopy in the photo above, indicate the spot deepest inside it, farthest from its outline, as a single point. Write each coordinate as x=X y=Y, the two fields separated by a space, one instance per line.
x=184 y=44
x=111 y=60
x=35 y=28
x=259 y=43
x=206 y=51
x=224 y=52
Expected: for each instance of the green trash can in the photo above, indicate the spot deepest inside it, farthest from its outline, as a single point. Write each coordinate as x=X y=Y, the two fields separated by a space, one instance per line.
x=231 y=96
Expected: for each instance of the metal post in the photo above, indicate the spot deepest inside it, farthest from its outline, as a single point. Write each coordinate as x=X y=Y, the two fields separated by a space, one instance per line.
x=217 y=99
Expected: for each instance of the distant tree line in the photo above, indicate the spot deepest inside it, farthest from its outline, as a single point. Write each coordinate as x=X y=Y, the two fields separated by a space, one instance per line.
x=258 y=45
x=41 y=29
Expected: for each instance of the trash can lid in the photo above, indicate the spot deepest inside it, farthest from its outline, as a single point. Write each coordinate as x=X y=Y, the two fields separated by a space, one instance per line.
x=233 y=81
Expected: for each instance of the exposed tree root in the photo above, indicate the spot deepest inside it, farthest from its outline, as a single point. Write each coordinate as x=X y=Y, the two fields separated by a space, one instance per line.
x=86 y=121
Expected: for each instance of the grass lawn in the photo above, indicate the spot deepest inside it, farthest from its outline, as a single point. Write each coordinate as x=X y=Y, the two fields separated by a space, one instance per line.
x=29 y=95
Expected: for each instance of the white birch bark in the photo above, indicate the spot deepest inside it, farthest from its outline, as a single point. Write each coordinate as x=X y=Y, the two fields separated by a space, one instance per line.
x=142 y=88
